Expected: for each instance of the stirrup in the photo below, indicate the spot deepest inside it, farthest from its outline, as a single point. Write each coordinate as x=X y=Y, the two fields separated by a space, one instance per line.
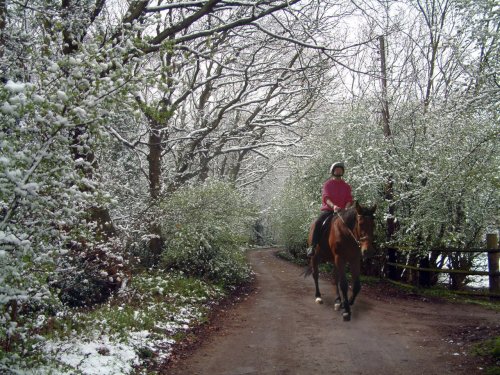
x=310 y=251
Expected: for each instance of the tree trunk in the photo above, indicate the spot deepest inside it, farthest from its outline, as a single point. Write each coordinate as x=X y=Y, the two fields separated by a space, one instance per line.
x=154 y=161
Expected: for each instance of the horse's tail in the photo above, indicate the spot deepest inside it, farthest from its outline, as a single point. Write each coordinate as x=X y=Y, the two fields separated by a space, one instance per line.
x=307 y=272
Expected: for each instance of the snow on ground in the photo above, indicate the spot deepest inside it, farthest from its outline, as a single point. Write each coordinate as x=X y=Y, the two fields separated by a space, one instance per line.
x=117 y=355
x=104 y=354
x=133 y=333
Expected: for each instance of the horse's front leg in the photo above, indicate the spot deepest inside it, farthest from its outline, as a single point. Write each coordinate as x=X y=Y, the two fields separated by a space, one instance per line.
x=338 y=300
x=344 y=286
x=356 y=285
x=315 y=274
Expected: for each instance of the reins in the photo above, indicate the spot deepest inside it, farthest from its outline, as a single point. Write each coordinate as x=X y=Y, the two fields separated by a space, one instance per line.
x=358 y=242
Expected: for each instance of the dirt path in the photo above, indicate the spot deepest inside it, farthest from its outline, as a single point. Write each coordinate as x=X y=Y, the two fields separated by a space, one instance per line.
x=280 y=330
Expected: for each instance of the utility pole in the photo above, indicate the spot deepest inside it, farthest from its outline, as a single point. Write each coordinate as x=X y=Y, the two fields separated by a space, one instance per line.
x=383 y=77
x=392 y=272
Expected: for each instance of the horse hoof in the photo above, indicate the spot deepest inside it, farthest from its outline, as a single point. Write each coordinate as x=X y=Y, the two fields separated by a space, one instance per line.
x=336 y=306
x=346 y=317
x=319 y=301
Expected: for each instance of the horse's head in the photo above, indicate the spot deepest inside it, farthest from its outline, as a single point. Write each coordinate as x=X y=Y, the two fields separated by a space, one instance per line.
x=365 y=226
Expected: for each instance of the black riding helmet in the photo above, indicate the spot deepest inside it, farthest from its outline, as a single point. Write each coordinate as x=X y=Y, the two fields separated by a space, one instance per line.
x=338 y=164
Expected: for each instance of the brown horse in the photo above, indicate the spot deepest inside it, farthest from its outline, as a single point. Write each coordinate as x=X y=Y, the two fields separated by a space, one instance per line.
x=348 y=238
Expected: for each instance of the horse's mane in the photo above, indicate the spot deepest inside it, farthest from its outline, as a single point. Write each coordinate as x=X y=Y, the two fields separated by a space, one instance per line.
x=349 y=217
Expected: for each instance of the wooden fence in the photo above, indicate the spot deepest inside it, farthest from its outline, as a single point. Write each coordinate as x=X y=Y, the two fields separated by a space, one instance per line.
x=493 y=266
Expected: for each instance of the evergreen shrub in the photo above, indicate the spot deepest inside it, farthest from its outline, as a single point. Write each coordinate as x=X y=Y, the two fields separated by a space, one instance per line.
x=89 y=277
x=205 y=229
x=292 y=214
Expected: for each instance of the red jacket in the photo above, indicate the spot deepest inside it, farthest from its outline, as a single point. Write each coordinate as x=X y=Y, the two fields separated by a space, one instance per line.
x=338 y=191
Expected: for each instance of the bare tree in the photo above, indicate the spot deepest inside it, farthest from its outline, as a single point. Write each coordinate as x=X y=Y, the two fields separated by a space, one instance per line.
x=219 y=102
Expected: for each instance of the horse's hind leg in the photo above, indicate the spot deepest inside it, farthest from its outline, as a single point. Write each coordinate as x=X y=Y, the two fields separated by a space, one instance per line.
x=315 y=274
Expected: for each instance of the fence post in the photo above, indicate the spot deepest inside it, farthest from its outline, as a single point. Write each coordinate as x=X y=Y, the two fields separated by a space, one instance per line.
x=493 y=258
x=424 y=277
x=392 y=271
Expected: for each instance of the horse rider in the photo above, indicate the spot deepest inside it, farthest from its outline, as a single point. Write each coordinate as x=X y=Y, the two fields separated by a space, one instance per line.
x=335 y=196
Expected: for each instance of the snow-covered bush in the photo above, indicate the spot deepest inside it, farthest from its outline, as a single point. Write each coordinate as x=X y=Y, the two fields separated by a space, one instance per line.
x=293 y=212
x=347 y=137
x=53 y=106
x=444 y=169
x=205 y=230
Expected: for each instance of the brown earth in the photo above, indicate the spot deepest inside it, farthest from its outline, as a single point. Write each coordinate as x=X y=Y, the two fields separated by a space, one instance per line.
x=279 y=329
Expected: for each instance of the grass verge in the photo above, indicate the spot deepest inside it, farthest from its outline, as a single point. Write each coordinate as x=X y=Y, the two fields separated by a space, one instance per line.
x=133 y=333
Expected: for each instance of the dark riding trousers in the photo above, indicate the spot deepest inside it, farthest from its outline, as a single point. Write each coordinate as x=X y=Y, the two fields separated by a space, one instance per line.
x=322 y=219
